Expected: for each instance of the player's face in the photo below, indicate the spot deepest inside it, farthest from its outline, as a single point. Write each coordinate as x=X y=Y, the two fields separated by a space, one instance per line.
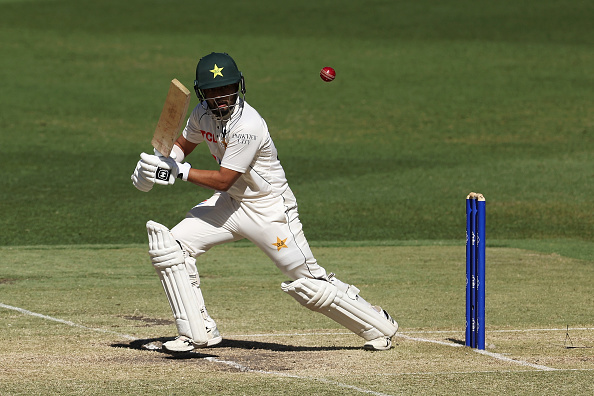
x=221 y=99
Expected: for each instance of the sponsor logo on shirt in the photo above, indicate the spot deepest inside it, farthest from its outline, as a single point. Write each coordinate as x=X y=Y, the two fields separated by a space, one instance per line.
x=209 y=136
x=244 y=138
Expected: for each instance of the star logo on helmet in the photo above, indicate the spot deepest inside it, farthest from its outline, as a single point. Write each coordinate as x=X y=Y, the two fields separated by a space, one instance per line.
x=280 y=243
x=217 y=71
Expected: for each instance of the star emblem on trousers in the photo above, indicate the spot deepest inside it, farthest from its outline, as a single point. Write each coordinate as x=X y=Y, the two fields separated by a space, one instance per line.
x=280 y=243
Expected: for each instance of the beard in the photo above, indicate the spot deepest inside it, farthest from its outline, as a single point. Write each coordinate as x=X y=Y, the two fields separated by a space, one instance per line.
x=222 y=106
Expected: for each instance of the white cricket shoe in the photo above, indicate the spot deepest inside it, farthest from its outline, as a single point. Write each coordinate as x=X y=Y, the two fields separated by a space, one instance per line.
x=185 y=344
x=179 y=344
x=381 y=343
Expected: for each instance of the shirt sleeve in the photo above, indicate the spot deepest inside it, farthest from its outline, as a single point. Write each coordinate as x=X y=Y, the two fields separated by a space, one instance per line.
x=192 y=131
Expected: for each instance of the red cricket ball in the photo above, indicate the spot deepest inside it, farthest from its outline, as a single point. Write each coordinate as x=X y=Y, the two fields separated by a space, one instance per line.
x=327 y=74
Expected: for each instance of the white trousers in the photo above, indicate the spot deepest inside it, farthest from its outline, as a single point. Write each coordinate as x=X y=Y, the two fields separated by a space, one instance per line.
x=272 y=224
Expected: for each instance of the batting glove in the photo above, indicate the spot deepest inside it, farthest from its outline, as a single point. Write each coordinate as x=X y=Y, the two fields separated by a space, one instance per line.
x=181 y=170
x=140 y=181
x=161 y=170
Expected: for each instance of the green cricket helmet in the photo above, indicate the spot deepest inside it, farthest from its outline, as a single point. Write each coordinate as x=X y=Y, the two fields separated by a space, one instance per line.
x=216 y=70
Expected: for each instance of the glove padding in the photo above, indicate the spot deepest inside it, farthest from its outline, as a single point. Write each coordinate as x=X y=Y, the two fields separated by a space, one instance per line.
x=140 y=181
x=162 y=170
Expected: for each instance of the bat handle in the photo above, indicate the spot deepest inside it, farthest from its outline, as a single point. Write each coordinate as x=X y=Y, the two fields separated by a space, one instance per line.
x=171 y=155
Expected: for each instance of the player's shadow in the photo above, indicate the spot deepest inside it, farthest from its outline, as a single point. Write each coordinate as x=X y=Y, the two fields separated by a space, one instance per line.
x=272 y=346
x=154 y=344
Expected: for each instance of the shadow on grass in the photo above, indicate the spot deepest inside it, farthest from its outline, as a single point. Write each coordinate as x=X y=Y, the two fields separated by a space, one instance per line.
x=154 y=344
x=272 y=346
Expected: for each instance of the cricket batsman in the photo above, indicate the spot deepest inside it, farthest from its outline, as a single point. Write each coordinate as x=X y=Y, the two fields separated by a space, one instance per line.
x=252 y=200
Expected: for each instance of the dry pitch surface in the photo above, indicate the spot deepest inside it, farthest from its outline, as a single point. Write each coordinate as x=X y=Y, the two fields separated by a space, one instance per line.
x=84 y=360
x=79 y=332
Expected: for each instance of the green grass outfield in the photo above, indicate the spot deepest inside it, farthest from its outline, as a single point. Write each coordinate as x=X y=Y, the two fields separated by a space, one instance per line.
x=432 y=100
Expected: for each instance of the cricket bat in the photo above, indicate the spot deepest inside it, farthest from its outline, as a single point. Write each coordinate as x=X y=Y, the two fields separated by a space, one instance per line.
x=172 y=117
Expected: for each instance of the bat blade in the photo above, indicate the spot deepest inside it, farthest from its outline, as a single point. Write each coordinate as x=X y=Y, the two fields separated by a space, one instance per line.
x=172 y=117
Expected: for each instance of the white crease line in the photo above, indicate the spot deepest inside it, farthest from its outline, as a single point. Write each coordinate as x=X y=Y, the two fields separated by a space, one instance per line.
x=470 y=372
x=403 y=335
x=249 y=370
x=414 y=332
x=66 y=322
x=497 y=331
x=451 y=344
x=491 y=354
x=487 y=353
x=537 y=330
x=210 y=359
x=520 y=362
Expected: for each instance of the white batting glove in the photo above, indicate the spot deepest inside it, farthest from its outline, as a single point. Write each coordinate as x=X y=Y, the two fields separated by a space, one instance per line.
x=156 y=169
x=140 y=181
x=161 y=170
x=181 y=170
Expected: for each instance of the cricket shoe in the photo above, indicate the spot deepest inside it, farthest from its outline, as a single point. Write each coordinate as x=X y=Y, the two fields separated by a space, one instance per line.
x=186 y=344
x=381 y=343
x=378 y=344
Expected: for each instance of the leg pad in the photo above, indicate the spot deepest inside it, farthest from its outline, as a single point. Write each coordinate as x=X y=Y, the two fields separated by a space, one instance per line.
x=344 y=307
x=168 y=259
